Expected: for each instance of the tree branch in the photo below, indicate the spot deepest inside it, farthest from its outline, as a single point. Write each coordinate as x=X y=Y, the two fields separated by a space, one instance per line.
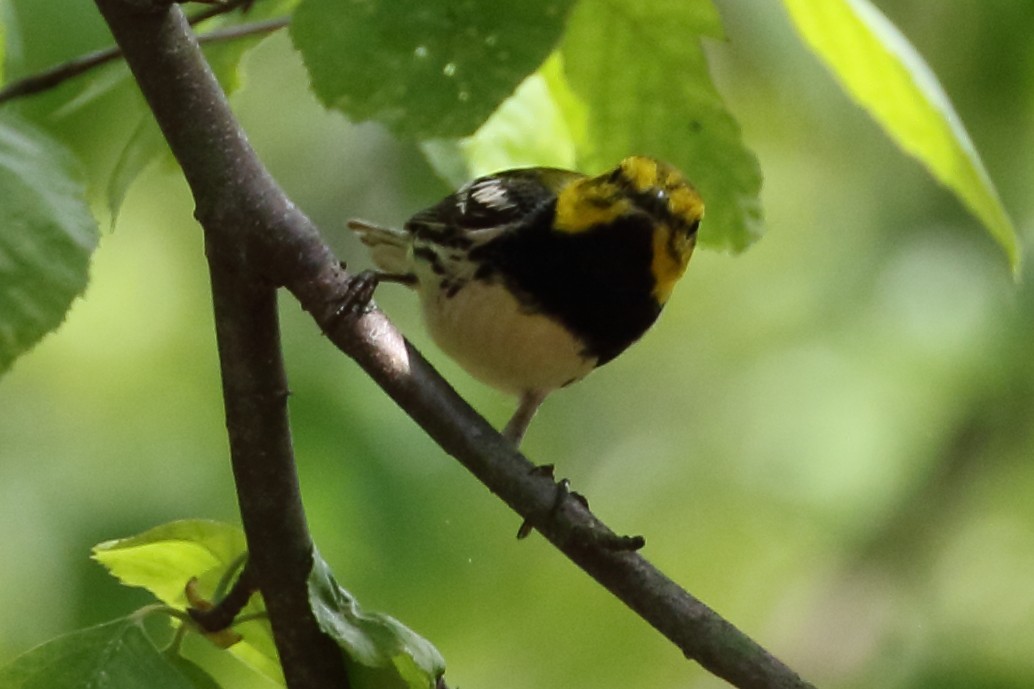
x=247 y=331
x=254 y=230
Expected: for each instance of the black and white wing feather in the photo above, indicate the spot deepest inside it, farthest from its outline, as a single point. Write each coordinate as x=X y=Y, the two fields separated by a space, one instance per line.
x=490 y=205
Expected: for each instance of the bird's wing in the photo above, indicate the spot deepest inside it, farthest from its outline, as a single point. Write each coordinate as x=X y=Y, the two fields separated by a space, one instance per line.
x=490 y=205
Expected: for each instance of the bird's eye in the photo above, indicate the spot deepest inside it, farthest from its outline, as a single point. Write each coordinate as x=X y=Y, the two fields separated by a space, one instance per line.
x=654 y=202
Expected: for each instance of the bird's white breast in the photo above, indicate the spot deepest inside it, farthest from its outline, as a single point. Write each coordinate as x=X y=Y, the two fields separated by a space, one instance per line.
x=483 y=327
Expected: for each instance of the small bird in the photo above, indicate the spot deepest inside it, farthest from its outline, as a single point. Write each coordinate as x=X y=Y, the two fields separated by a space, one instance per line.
x=531 y=278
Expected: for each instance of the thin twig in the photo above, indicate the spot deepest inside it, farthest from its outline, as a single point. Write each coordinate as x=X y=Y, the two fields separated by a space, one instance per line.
x=219 y=8
x=57 y=75
x=225 y=611
x=232 y=33
x=54 y=76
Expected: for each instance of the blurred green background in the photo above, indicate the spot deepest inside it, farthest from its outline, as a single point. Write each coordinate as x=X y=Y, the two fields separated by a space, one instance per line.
x=828 y=439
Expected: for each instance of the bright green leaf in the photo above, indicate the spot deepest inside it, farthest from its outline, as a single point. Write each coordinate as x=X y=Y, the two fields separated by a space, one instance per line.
x=379 y=650
x=3 y=50
x=115 y=655
x=881 y=70
x=163 y=559
x=47 y=236
x=426 y=70
x=641 y=72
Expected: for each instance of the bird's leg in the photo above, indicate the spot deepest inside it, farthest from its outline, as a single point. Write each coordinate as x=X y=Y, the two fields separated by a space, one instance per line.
x=563 y=491
x=515 y=428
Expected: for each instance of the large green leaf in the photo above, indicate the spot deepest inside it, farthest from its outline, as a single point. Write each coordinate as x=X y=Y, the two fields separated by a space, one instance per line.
x=380 y=652
x=639 y=69
x=881 y=70
x=46 y=236
x=164 y=558
x=424 y=69
x=115 y=655
x=542 y=123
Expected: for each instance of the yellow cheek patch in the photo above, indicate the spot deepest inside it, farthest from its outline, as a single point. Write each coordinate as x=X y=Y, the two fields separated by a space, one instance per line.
x=685 y=203
x=671 y=253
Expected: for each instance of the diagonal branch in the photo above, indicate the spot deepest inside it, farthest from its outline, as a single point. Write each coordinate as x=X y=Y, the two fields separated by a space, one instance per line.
x=256 y=235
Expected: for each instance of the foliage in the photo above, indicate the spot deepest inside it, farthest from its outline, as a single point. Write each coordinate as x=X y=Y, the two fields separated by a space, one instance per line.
x=379 y=650
x=47 y=237
x=115 y=655
x=884 y=73
x=632 y=78
x=425 y=72
x=536 y=83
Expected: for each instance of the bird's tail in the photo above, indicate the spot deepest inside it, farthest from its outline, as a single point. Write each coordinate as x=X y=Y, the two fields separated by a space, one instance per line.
x=389 y=248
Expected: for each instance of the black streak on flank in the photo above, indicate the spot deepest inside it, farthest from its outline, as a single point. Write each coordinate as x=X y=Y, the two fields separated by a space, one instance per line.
x=429 y=255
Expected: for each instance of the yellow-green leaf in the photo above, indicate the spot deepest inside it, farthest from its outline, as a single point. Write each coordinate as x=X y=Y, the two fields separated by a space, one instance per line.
x=881 y=70
x=164 y=558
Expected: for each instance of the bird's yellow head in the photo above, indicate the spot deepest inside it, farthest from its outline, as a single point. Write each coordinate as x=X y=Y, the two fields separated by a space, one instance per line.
x=639 y=185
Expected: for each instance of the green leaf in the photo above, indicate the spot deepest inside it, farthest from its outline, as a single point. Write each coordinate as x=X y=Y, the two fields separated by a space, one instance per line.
x=47 y=236
x=145 y=144
x=379 y=650
x=197 y=676
x=163 y=559
x=640 y=71
x=115 y=655
x=426 y=70
x=530 y=128
x=3 y=49
x=881 y=70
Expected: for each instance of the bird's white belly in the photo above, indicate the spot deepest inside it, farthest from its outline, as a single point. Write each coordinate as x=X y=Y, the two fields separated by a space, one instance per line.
x=484 y=329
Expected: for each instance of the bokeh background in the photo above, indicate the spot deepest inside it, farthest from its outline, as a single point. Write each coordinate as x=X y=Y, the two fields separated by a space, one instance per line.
x=828 y=439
